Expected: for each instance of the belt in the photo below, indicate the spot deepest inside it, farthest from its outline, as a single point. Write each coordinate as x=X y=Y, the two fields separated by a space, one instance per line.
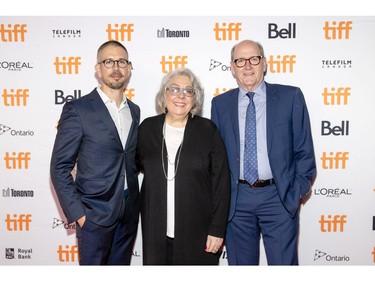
x=258 y=183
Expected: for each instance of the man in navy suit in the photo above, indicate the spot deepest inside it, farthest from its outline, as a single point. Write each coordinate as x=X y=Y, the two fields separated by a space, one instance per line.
x=98 y=134
x=268 y=207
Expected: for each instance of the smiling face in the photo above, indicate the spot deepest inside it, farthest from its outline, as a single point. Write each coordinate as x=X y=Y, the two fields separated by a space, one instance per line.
x=178 y=105
x=249 y=76
x=114 y=77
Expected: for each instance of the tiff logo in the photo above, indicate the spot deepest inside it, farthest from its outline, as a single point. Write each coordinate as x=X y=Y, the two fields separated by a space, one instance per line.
x=17 y=161
x=69 y=254
x=118 y=32
x=230 y=32
x=172 y=63
x=129 y=93
x=18 y=223
x=67 y=65
x=219 y=91
x=280 y=64
x=334 y=224
x=336 y=30
x=334 y=160
x=15 y=97
x=336 y=96
x=14 y=33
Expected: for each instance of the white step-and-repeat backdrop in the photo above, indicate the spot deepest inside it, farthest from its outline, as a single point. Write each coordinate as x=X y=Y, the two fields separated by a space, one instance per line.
x=47 y=61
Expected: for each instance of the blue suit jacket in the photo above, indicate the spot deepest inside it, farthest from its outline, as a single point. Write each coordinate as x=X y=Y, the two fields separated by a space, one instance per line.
x=88 y=136
x=289 y=141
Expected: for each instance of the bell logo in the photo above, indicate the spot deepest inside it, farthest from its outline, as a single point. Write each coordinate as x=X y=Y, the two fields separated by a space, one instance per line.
x=332 y=223
x=337 y=30
x=172 y=63
x=15 y=33
x=284 y=33
x=336 y=96
x=118 y=32
x=18 y=222
x=230 y=32
x=281 y=64
x=67 y=65
x=69 y=254
x=334 y=160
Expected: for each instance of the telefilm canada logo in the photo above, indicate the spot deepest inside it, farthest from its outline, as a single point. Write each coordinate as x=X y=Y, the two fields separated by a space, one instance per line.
x=214 y=64
x=320 y=255
x=66 y=33
x=336 y=64
x=15 y=132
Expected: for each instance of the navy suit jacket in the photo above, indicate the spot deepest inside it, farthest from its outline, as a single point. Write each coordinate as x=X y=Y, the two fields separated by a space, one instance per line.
x=289 y=141
x=88 y=136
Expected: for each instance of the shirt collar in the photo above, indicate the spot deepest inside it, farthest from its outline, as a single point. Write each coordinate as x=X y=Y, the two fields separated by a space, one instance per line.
x=106 y=99
x=260 y=91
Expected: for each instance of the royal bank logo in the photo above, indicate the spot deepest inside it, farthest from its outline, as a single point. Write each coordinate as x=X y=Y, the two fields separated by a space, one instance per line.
x=9 y=253
x=66 y=33
x=323 y=256
x=214 y=64
x=169 y=33
x=336 y=64
x=15 y=133
x=21 y=254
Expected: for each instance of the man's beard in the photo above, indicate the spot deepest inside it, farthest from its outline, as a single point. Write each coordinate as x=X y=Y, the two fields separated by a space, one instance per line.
x=116 y=85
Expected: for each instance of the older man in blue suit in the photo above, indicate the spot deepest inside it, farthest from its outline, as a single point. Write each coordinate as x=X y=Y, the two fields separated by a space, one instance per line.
x=282 y=162
x=98 y=133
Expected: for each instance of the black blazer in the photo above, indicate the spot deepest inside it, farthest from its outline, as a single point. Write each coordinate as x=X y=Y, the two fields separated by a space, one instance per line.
x=202 y=191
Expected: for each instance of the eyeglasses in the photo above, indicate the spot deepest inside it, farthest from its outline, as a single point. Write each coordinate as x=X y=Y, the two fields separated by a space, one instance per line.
x=109 y=63
x=241 y=62
x=175 y=91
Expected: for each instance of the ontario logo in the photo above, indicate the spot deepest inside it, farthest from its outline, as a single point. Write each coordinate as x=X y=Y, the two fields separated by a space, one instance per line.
x=214 y=64
x=57 y=223
x=323 y=256
x=15 y=133
x=4 y=129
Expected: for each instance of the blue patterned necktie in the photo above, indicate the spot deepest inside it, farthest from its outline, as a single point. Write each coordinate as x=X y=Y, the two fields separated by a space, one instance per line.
x=250 y=154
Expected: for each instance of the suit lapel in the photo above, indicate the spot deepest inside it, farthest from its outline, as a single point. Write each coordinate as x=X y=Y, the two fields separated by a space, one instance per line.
x=101 y=109
x=272 y=111
x=233 y=106
x=133 y=125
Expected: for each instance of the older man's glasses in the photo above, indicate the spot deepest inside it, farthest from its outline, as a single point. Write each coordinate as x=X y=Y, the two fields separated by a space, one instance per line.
x=175 y=91
x=121 y=63
x=241 y=62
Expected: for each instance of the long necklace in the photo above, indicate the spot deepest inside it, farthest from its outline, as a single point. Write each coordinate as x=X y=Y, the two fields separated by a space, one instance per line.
x=162 y=156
